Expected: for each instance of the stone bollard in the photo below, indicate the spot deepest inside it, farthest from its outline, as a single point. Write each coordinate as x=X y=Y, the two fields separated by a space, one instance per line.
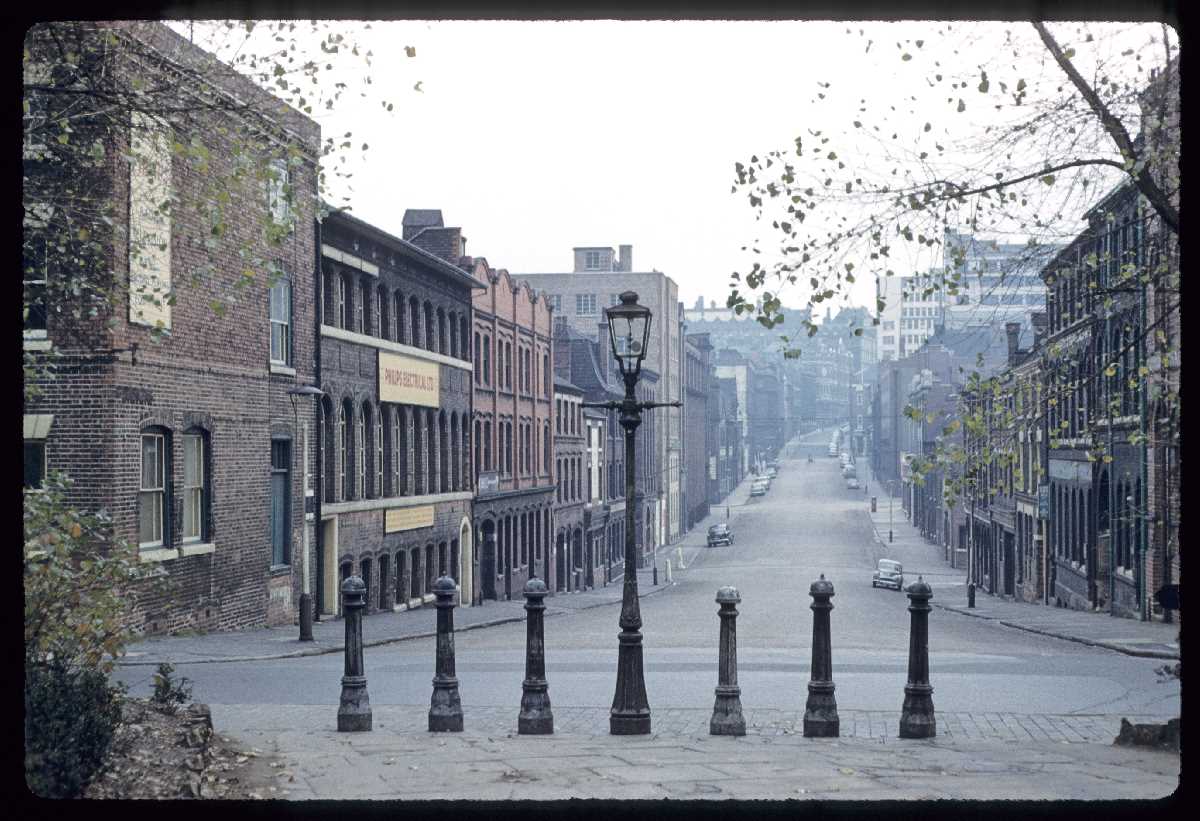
x=306 y=617
x=354 y=712
x=971 y=594
x=679 y=556
x=820 y=711
x=535 y=717
x=445 y=709
x=916 y=717
x=654 y=574
x=727 y=710
x=669 y=581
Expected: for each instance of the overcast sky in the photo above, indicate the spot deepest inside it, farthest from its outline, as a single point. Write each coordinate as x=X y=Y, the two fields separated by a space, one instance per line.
x=536 y=137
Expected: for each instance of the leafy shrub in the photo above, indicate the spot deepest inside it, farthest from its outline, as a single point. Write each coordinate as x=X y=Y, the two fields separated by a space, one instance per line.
x=78 y=585
x=70 y=718
x=169 y=694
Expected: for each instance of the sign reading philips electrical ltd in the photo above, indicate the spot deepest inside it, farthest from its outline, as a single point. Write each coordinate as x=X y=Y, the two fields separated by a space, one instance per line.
x=408 y=381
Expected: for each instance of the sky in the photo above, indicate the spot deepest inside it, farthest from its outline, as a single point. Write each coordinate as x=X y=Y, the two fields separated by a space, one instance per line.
x=539 y=136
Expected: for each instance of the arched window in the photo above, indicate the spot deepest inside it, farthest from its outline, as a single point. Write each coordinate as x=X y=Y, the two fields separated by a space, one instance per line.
x=377 y=436
x=398 y=310
x=384 y=304
x=443 y=453
x=430 y=328
x=487 y=445
x=329 y=448
x=477 y=366
x=400 y=438
x=546 y=446
x=467 y=480
x=478 y=448
x=418 y=450
x=344 y=298
x=432 y=426
x=546 y=375
x=441 y=331
x=387 y=450
x=196 y=487
x=487 y=360
x=414 y=326
x=455 y=455
x=154 y=502
x=365 y=452
x=346 y=462
x=329 y=295
x=508 y=355
x=362 y=309
x=464 y=335
x=558 y=476
x=452 y=324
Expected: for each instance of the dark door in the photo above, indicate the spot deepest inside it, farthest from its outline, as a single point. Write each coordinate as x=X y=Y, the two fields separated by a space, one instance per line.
x=487 y=568
x=1010 y=564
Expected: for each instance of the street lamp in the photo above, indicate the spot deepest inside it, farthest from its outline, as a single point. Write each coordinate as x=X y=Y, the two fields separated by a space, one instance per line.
x=629 y=333
x=306 y=614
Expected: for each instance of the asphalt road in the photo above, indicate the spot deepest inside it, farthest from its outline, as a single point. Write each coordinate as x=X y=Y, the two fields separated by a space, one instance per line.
x=807 y=524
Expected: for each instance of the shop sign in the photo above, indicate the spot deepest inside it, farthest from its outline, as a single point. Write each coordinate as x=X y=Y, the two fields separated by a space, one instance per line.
x=407 y=380
x=407 y=518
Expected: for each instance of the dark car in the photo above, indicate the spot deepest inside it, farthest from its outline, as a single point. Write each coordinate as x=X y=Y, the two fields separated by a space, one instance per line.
x=719 y=534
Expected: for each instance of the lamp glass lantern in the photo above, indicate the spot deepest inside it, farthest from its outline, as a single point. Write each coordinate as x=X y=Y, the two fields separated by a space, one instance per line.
x=629 y=332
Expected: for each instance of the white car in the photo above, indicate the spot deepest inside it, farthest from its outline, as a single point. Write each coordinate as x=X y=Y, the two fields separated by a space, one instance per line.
x=852 y=483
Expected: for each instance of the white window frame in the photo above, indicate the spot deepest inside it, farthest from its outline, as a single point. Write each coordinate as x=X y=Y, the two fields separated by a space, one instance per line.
x=585 y=305
x=193 y=488
x=156 y=492
x=280 y=302
x=279 y=203
x=593 y=260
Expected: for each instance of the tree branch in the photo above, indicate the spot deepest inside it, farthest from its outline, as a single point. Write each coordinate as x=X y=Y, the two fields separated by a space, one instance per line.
x=961 y=192
x=1116 y=130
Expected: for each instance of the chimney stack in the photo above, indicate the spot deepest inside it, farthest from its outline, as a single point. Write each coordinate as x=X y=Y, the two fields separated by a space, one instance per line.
x=1013 y=329
x=625 y=262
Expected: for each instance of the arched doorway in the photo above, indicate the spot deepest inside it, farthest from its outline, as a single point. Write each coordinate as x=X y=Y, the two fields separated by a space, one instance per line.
x=487 y=568
x=560 y=563
x=466 y=564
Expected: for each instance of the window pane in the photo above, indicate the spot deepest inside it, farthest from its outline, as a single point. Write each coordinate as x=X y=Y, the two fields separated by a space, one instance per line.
x=192 y=464
x=278 y=517
x=35 y=464
x=149 y=517
x=191 y=513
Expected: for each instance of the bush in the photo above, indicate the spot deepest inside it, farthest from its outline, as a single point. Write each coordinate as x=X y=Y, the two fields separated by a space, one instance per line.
x=70 y=718
x=169 y=693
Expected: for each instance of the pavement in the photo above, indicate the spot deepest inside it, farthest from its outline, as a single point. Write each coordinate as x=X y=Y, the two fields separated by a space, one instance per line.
x=1148 y=639
x=1008 y=757
x=329 y=634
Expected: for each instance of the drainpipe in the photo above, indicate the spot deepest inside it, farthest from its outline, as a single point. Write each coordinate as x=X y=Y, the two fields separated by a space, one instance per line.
x=319 y=473
x=1143 y=528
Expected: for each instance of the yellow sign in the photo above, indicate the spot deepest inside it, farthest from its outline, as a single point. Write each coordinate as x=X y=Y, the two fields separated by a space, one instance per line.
x=408 y=381
x=407 y=518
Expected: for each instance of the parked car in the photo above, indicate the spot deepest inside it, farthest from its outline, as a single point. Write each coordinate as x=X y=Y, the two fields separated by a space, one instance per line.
x=889 y=573
x=772 y=473
x=720 y=534
x=849 y=471
x=758 y=488
x=852 y=483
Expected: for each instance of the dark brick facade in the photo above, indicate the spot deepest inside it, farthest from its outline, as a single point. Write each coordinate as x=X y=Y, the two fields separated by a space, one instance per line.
x=210 y=374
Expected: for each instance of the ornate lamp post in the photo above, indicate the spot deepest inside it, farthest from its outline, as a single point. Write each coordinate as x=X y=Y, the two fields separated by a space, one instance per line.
x=629 y=333
x=306 y=610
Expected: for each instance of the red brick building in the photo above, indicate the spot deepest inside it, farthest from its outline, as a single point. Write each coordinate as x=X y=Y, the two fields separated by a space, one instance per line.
x=169 y=413
x=512 y=433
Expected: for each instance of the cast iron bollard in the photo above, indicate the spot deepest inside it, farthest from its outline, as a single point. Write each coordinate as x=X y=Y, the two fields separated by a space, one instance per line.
x=971 y=594
x=727 y=710
x=535 y=717
x=445 y=709
x=354 y=712
x=820 y=712
x=654 y=573
x=916 y=717
x=306 y=617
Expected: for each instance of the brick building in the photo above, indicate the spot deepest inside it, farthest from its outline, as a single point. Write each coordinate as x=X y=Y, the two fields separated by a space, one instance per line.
x=599 y=275
x=699 y=440
x=396 y=370
x=513 y=433
x=572 y=551
x=172 y=415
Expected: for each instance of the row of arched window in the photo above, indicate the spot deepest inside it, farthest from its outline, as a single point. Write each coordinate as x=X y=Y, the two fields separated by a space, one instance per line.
x=502 y=376
x=407 y=573
x=570 y=479
x=516 y=442
x=364 y=305
x=372 y=452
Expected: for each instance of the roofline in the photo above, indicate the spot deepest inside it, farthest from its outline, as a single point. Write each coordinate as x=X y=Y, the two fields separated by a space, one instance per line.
x=406 y=247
